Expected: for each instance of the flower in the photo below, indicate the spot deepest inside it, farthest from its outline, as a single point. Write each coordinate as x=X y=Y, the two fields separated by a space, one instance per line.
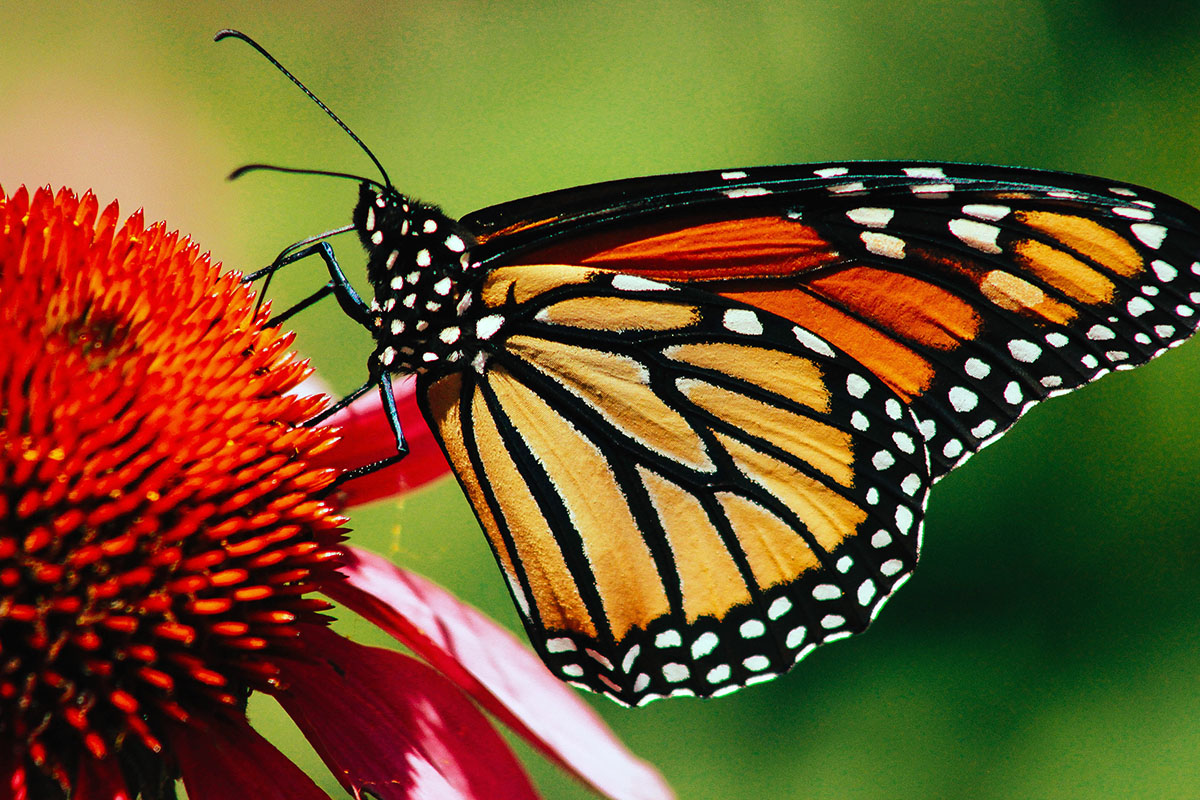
x=162 y=539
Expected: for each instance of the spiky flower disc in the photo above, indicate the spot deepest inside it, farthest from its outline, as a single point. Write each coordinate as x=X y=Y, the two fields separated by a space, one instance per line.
x=158 y=530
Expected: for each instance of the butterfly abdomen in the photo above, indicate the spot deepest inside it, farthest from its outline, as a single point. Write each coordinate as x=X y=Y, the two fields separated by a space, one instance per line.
x=417 y=264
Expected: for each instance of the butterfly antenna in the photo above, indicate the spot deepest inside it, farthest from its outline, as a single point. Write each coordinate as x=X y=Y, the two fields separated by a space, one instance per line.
x=228 y=33
x=242 y=170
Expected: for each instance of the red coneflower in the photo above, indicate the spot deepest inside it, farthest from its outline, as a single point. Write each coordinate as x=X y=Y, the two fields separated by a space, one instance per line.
x=162 y=538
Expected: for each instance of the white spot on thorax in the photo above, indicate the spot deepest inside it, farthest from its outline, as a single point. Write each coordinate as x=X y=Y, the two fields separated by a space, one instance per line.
x=455 y=244
x=443 y=286
x=430 y=226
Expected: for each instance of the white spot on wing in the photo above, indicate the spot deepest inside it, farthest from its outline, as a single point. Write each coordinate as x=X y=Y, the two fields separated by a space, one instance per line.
x=830 y=172
x=1138 y=306
x=883 y=244
x=963 y=399
x=1149 y=234
x=1024 y=350
x=636 y=283
x=976 y=234
x=732 y=175
x=1133 y=213
x=924 y=172
x=742 y=320
x=705 y=643
x=813 y=342
x=871 y=217
x=1164 y=271
x=991 y=213
x=745 y=191
x=932 y=188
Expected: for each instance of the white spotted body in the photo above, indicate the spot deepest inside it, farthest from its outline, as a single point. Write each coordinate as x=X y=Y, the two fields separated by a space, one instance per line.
x=418 y=265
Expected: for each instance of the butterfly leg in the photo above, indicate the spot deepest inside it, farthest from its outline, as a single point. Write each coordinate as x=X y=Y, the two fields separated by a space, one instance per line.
x=384 y=383
x=339 y=285
x=354 y=307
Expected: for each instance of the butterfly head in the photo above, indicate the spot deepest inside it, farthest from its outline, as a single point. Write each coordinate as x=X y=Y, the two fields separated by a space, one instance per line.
x=417 y=263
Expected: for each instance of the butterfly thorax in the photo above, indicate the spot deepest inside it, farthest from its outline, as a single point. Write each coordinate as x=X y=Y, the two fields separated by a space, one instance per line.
x=417 y=262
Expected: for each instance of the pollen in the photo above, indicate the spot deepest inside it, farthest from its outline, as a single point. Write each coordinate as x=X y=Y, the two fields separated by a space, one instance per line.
x=160 y=523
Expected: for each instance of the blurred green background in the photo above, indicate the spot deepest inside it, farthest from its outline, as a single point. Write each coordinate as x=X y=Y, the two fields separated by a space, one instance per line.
x=1048 y=644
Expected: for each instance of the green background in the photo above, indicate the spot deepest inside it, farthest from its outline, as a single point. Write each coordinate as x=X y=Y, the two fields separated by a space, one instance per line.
x=1047 y=645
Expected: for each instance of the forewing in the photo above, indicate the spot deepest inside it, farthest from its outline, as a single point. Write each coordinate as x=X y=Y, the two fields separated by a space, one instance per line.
x=973 y=292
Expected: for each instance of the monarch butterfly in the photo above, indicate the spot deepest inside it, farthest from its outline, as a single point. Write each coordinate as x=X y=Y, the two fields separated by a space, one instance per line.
x=698 y=416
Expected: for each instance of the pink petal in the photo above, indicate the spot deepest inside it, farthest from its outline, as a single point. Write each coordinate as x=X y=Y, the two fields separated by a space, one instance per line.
x=100 y=780
x=367 y=438
x=226 y=758
x=387 y=724
x=499 y=671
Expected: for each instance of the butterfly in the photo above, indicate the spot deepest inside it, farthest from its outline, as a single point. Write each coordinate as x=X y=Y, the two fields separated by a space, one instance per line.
x=698 y=416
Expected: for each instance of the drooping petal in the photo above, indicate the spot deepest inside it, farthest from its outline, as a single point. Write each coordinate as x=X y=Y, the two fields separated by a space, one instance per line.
x=387 y=724
x=228 y=759
x=367 y=438
x=497 y=670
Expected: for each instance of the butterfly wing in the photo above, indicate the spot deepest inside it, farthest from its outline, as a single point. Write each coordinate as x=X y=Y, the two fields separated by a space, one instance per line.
x=703 y=410
x=973 y=291
x=685 y=495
